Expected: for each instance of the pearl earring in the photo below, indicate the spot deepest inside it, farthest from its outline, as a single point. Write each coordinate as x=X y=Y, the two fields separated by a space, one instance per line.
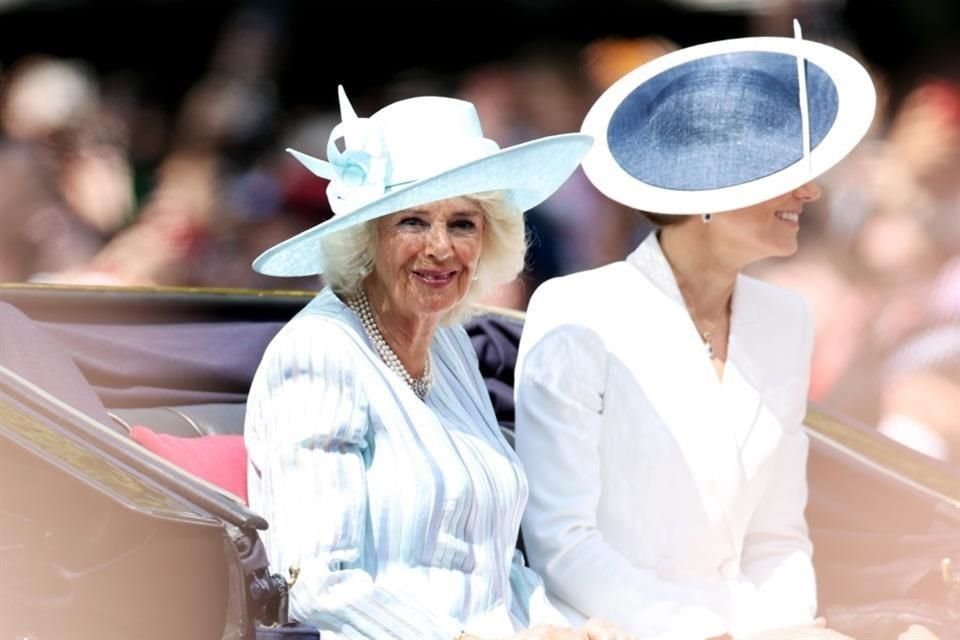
x=707 y=217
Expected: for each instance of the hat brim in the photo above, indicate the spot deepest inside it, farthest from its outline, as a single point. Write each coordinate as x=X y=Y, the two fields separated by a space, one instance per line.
x=856 y=105
x=528 y=172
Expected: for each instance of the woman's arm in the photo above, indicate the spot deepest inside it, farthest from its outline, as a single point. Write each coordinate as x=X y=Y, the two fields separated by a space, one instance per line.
x=559 y=415
x=307 y=435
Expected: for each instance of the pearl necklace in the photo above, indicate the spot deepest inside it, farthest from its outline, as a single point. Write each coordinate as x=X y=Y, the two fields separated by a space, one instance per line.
x=420 y=386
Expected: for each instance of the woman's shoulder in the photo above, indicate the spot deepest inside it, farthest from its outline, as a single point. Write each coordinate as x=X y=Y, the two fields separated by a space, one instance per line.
x=324 y=306
x=325 y=309
x=325 y=326
x=582 y=285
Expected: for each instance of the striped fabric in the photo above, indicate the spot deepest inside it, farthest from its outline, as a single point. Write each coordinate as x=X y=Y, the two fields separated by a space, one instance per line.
x=401 y=515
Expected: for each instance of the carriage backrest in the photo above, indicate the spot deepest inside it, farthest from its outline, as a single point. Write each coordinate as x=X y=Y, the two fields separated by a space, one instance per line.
x=217 y=418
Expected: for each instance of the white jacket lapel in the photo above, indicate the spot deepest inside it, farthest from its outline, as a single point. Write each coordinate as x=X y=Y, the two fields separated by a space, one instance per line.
x=671 y=365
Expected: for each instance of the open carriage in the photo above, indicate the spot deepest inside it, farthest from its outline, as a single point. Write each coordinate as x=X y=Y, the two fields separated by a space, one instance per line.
x=100 y=538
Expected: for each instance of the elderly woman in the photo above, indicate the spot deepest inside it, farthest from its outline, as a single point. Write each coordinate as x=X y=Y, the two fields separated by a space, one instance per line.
x=660 y=399
x=374 y=450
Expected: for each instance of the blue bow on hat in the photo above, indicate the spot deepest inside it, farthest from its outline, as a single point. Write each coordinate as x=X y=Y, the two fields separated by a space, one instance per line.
x=357 y=174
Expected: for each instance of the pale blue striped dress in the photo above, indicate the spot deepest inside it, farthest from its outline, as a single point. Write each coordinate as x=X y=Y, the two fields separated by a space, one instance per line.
x=401 y=515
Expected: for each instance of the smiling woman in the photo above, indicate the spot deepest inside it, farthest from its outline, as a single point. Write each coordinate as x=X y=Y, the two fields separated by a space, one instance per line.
x=667 y=480
x=374 y=448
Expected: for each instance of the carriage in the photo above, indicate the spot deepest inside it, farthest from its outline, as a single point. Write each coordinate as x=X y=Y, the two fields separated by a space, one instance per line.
x=107 y=535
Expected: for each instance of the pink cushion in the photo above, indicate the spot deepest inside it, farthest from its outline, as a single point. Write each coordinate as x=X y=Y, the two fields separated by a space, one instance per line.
x=218 y=459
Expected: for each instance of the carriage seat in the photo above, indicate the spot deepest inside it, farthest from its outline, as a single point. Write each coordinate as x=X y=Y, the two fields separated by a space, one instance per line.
x=185 y=420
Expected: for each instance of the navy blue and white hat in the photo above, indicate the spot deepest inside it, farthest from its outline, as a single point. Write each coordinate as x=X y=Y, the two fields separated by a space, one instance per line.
x=727 y=124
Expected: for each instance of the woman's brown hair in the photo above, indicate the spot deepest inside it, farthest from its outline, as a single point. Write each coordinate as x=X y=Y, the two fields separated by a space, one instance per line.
x=660 y=220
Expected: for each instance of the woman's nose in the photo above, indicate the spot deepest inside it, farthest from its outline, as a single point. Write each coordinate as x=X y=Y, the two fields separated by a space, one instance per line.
x=807 y=192
x=438 y=243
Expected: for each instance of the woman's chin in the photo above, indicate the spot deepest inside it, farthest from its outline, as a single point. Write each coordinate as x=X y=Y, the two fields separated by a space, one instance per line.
x=782 y=248
x=435 y=302
x=788 y=249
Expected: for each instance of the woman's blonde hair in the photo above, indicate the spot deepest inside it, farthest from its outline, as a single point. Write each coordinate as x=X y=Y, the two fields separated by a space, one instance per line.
x=349 y=254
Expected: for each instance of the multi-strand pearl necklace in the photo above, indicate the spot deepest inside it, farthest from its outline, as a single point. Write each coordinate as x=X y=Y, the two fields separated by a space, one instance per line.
x=421 y=385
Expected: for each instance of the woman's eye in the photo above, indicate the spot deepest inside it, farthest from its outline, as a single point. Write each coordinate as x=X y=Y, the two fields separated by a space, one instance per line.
x=463 y=225
x=411 y=222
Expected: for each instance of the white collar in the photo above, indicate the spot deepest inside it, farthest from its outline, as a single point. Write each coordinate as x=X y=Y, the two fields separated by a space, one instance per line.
x=649 y=259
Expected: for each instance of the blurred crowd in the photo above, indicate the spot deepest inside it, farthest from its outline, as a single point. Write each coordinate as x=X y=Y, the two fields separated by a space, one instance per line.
x=100 y=187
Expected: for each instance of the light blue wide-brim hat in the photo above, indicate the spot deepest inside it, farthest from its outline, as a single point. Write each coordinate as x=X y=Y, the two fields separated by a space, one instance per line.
x=726 y=125
x=411 y=153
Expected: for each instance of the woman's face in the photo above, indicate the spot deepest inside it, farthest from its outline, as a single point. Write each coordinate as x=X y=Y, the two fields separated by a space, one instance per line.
x=766 y=229
x=427 y=255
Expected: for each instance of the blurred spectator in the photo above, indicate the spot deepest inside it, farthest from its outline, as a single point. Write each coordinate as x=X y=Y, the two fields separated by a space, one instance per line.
x=66 y=183
x=895 y=210
x=217 y=175
x=495 y=90
x=171 y=232
x=606 y=60
x=553 y=95
x=46 y=98
x=97 y=185
x=302 y=200
x=875 y=264
x=545 y=92
x=920 y=394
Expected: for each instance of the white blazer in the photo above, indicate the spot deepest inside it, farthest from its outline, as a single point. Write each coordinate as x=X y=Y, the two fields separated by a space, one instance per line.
x=662 y=498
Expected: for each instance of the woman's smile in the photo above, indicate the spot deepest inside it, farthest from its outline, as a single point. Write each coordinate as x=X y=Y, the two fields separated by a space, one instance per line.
x=434 y=277
x=790 y=217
